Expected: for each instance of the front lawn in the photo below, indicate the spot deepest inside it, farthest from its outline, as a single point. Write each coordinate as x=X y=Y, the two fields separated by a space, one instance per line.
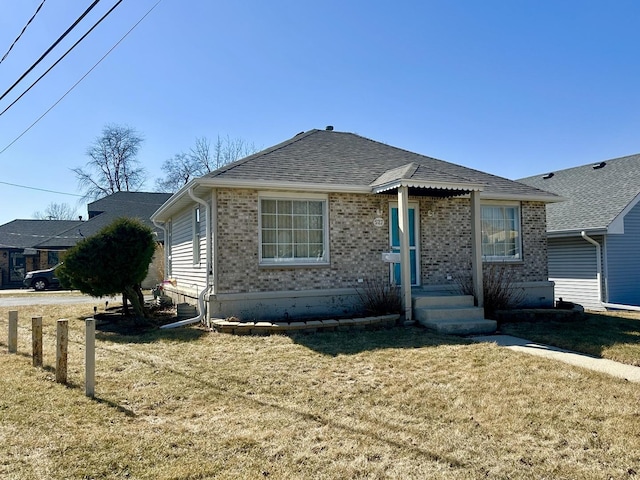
x=399 y=403
x=612 y=335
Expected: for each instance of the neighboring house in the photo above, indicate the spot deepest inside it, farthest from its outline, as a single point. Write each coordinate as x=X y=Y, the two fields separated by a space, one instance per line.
x=297 y=229
x=27 y=245
x=594 y=236
x=19 y=247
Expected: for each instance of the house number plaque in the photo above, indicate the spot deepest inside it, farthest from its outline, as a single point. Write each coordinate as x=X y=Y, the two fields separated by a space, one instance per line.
x=378 y=222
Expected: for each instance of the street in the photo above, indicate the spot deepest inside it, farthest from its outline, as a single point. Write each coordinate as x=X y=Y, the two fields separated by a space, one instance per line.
x=14 y=298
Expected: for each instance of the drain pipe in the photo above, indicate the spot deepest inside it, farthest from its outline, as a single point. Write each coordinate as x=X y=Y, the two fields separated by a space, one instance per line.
x=598 y=262
x=205 y=290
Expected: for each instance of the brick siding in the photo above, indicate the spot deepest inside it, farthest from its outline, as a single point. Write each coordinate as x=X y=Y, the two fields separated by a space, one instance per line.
x=356 y=243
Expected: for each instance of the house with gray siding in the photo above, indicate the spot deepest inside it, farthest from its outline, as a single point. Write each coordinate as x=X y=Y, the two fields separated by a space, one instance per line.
x=594 y=236
x=297 y=229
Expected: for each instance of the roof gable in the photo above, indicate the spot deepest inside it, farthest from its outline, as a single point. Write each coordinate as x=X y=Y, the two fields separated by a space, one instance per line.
x=597 y=195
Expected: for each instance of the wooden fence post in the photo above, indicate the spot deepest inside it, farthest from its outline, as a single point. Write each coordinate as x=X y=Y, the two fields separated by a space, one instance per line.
x=13 y=331
x=36 y=340
x=62 y=336
x=90 y=357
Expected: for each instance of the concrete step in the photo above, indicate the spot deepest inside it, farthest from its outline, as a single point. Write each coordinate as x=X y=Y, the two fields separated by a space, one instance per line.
x=420 y=301
x=450 y=313
x=461 y=326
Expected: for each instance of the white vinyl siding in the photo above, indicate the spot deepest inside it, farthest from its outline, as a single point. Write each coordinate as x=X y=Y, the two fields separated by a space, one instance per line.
x=573 y=268
x=623 y=261
x=183 y=270
x=501 y=232
x=293 y=230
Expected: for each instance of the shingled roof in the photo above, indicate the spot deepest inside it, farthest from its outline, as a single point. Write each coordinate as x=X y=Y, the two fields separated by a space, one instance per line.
x=30 y=233
x=340 y=158
x=331 y=161
x=596 y=194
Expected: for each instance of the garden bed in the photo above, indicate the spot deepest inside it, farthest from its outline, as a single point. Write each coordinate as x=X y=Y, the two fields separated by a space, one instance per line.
x=310 y=326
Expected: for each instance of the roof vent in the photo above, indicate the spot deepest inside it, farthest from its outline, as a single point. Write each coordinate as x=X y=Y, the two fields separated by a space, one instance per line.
x=300 y=133
x=329 y=128
x=547 y=176
x=598 y=166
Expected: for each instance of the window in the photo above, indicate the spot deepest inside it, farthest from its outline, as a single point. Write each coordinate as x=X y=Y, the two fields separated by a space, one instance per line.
x=501 y=236
x=53 y=258
x=293 y=231
x=196 y=235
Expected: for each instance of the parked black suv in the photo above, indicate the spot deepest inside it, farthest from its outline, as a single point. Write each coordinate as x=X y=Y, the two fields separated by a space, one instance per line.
x=42 y=279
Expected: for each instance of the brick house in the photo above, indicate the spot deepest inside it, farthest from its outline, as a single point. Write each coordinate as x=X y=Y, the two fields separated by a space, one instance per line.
x=296 y=229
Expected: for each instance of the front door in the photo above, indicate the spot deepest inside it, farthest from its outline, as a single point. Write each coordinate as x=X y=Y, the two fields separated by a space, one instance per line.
x=17 y=267
x=394 y=238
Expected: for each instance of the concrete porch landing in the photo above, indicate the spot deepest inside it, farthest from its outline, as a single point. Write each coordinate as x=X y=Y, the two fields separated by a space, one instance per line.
x=450 y=314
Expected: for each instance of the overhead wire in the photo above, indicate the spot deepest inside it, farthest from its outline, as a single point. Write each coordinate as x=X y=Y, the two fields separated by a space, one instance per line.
x=81 y=79
x=62 y=57
x=23 y=30
x=39 y=189
x=60 y=38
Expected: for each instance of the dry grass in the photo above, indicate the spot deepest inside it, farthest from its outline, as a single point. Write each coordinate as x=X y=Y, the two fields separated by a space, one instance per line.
x=401 y=403
x=614 y=335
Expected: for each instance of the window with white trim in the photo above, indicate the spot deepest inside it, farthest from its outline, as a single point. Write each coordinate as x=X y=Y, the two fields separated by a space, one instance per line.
x=293 y=230
x=501 y=232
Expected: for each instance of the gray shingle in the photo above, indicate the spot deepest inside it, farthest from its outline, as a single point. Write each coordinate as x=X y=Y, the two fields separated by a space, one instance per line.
x=340 y=158
x=595 y=197
x=30 y=233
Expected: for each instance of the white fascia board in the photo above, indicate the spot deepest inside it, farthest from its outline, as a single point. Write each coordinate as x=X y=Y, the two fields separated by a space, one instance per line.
x=576 y=232
x=176 y=200
x=521 y=197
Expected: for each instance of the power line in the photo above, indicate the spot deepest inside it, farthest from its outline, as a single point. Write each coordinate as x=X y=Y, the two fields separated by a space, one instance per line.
x=60 y=38
x=80 y=80
x=23 y=30
x=62 y=57
x=40 y=189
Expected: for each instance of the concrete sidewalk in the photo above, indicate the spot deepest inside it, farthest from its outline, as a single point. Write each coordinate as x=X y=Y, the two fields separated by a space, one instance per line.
x=616 y=369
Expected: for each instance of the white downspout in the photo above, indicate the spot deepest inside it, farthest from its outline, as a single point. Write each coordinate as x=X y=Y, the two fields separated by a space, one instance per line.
x=598 y=262
x=205 y=290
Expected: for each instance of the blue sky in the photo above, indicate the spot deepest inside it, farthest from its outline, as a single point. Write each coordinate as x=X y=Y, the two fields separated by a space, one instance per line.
x=514 y=88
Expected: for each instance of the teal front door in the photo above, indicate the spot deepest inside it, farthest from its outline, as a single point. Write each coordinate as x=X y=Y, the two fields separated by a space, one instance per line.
x=394 y=237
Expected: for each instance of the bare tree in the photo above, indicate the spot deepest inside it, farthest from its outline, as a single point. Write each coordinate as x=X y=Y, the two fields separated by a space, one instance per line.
x=57 y=211
x=201 y=159
x=113 y=166
x=178 y=171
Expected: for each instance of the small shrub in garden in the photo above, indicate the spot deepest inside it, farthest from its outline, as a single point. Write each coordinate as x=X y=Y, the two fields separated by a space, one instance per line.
x=380 y=298
x=499 y=288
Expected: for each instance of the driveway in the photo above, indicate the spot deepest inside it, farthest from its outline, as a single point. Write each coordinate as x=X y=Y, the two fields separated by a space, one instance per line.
x=14 y=298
